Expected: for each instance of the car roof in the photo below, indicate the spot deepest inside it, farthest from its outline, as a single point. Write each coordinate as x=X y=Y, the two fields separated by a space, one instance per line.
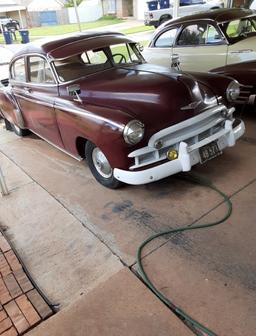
x=64 y=46
x=217 y=15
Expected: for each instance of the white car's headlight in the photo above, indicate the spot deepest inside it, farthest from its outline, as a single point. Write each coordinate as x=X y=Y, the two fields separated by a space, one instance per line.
x=233 y=91
x=133 y=132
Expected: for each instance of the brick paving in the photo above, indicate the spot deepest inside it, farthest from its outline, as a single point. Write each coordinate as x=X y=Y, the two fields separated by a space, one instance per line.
x=21 y=305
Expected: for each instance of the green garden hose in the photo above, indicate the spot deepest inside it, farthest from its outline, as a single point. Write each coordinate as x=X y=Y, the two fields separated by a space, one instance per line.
x=178 y=311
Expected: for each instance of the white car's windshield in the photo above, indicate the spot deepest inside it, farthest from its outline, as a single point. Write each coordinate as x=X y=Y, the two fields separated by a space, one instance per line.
x=239 y=29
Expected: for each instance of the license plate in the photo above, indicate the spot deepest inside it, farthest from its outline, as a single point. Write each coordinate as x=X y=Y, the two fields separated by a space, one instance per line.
x=209 y=151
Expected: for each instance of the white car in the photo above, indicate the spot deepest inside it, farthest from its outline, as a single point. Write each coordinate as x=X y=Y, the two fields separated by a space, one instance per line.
x=158 y=16
x=5 y=57
x=205 y=41
x=253 y=5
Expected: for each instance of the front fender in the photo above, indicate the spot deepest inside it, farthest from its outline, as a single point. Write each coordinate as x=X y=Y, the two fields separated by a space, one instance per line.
x=216 y=83
x=100 y=125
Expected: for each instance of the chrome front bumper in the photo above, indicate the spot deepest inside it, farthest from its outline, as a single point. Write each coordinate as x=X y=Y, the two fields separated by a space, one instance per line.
x=188 y=156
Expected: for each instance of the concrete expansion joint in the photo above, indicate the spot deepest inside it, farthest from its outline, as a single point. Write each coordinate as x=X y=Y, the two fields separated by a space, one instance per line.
x=70 y=212
x=21 y=186
x=243 y=188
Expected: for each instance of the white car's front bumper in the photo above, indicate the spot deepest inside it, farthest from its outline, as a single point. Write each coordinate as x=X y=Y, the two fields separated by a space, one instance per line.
x=188 y=157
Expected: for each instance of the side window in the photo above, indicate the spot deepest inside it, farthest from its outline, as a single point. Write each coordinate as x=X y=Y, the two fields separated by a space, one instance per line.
x=39 y=70
x=212 y=36
x=18 y=70
x=193 y=35
x=124 y=53
x=94 y=57
x=166 y=39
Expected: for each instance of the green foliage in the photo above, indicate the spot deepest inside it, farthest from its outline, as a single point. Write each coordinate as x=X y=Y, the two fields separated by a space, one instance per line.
x=108 y=17
x=70 y=3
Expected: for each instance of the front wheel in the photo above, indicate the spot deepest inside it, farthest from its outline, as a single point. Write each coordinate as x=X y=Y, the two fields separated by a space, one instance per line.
x=100 y=167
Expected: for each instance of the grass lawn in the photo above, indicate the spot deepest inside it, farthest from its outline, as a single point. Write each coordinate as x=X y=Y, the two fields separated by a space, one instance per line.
x=69 y=28
x=137 y=29
x=64 y=29
x=39 y=32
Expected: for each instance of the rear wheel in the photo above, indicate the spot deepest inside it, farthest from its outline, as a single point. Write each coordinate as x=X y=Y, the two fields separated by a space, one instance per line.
x=164 y=18
x=20 y=131
x=100 y=167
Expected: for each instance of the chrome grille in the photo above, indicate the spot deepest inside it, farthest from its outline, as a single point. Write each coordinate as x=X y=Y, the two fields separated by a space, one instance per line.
x=190 y=131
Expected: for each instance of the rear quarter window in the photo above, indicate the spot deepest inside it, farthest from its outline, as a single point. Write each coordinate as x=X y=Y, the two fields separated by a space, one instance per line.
x=18 y=71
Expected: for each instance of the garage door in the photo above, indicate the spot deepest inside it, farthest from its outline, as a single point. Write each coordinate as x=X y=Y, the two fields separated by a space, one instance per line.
x=48 y=18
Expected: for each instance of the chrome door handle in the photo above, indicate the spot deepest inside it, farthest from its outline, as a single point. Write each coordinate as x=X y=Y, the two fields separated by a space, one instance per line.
x=27 y=90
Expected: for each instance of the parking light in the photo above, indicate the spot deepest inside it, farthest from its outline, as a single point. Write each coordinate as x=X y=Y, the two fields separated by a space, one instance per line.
x=172 y=154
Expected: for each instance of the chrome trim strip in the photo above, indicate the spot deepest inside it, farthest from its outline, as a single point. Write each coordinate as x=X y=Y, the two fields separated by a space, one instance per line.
x=78 y=158
x=83 y=112
x=198 y=118
x=40 y=102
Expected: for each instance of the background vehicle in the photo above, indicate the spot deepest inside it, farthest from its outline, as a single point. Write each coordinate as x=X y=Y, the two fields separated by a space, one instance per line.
x=245 y=73
x=253 y=5
x=205 y=40
x=5 y=58
x=157 y=17
x=8 y=23
x=92 y=95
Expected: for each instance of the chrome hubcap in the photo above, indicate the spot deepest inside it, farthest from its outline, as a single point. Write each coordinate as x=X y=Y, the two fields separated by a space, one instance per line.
x=16 y=128
x=101 y=163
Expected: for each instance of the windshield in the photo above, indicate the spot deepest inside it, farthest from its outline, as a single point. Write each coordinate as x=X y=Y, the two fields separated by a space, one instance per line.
x=93 y=61
x=239 y=29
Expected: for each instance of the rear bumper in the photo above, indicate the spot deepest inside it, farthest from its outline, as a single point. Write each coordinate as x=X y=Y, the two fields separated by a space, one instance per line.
x=188 y=157
x=154 y=23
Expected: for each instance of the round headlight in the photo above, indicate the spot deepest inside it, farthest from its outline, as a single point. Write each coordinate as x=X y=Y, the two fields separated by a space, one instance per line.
x=233 y=91
x=133 y=132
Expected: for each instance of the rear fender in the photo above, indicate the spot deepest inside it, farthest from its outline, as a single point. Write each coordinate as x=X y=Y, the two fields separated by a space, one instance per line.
x=10 y=108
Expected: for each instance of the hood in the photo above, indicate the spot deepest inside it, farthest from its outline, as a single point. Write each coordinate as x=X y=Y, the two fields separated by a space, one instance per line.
x=244 y=72
x=242 y=66
x=245 y=43
x=153 y=94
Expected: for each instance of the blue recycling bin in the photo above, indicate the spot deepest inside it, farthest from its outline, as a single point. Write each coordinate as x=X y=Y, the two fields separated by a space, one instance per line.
x=7 y=37
x=24 y=33
x=152 y=5
x=164 y=4
x=185 y=2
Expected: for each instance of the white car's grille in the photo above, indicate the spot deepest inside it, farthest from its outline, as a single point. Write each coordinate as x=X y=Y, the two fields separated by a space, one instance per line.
x=191 y=131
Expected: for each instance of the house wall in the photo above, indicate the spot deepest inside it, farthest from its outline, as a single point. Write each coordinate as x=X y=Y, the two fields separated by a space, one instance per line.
x=124 y=8
x=34 y=18
x=89 y=10
x=140 y=6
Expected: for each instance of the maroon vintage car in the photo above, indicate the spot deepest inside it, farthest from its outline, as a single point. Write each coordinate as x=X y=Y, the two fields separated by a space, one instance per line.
x=244 y=73
x=92 y=95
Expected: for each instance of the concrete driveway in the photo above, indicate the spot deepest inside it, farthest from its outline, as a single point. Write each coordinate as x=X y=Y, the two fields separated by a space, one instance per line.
x=79 y=241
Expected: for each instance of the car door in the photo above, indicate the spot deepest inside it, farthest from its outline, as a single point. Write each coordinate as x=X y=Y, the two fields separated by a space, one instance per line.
x=200 y=47
x=160 y=50
x=241 y=34
x=36 y=92
x=189 y=9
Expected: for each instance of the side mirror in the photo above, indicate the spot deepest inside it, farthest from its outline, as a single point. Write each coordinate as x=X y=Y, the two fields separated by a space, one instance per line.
x=74 y=91
x=140 y=47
